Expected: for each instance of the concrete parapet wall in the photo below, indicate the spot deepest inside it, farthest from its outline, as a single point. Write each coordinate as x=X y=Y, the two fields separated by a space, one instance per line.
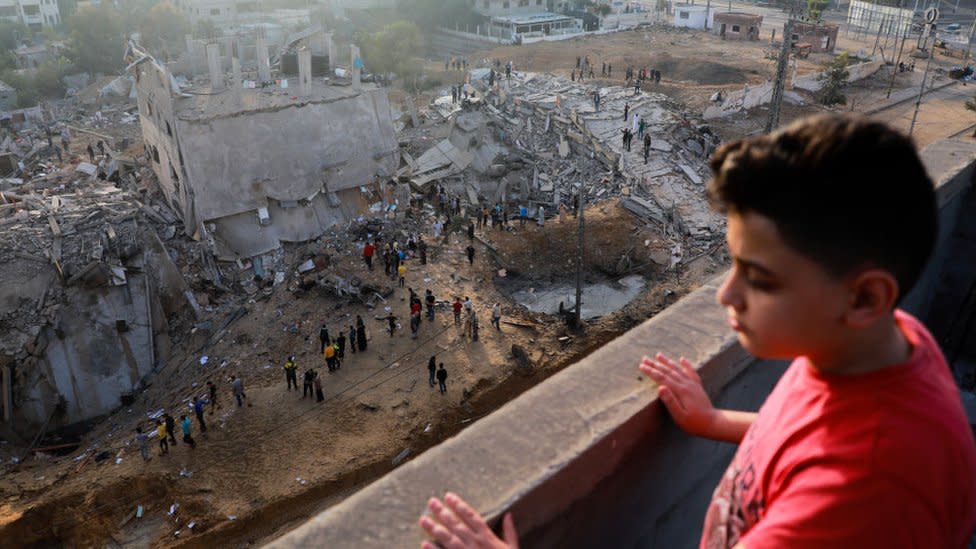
x=588 y=458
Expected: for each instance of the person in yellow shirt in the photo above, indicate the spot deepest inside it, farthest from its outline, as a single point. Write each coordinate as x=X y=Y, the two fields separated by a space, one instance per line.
x=161 y=433
x=330 y=359
x=402 y=271
x=291 y=373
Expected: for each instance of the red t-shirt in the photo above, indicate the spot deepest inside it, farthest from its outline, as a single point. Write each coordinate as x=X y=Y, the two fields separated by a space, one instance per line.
x=885 y=459
x=457 y=307
x=368 y=250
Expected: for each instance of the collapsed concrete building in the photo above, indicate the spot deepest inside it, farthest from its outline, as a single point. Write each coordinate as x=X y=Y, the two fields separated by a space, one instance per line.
x=269 y=157
x=88 y=287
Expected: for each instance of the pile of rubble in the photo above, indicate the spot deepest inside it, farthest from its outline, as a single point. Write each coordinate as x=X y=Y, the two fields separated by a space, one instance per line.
x=540 y=140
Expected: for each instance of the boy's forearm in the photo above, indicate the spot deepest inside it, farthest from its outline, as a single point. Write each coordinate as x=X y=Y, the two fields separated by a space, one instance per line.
x=730 y=425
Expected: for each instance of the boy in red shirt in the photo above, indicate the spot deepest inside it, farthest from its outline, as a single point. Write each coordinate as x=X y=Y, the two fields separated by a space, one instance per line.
x=863 y=443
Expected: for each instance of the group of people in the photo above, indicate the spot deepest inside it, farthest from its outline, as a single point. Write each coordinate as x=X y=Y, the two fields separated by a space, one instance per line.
x=166 y=425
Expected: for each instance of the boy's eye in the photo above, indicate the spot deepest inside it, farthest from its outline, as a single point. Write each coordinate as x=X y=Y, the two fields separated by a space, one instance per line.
x=760 y=284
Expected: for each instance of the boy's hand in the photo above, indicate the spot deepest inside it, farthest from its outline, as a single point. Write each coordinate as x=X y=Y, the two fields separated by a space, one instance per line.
x=682 y=392
x=453 y=524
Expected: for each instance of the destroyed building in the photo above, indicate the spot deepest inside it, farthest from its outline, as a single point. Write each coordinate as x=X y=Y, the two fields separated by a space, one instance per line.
x=257 y=158
x=821 y=37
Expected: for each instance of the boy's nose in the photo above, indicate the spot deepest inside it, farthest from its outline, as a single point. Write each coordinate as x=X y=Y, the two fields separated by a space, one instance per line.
x=728 y=294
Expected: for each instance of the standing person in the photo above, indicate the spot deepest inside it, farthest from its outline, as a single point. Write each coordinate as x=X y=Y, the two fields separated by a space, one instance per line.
x=430 y=301
x=432 y=369
x=212 y=391
x=368 y=251
x=640 y=128
x=291 y=376
x=330 y=359
x=391 y=324
x=442 y=378
x=562 y=212
x=470 y=251
x=237 y=384
x=414 y=324
x=542 y=216
x=198 y=410
x=360 y=333
x=626 y=111
x=609 y=70
x=341 y=342
x=352 y=339
x=523 y=215
x=496 y=316
x=402 y=273
x=457 y=311
x=335 y=356
x=317 y=382
x=170 y=427
x=91 y=153
x=647 y=146
x=185 y=425
x=422 y=248
x=161 y=435
x=143 y=440
x=470 y=230
x=307 y=383
x=324 y=338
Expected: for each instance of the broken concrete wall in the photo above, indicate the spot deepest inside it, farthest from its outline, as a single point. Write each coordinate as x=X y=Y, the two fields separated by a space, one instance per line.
x=238 y=163
x=812 y=83
x=744 y=99
x=157 y=118
x=85 y=358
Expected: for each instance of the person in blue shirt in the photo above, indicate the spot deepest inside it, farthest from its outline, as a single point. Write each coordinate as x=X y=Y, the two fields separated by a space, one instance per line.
x=198 y=410
x=185 y=425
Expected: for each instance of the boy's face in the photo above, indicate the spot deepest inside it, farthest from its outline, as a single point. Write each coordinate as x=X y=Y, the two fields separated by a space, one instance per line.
x=779 y=302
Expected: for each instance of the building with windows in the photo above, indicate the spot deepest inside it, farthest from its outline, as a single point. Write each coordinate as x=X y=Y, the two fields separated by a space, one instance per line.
x=35 y=14
x=514 y=19
x=734 y=25
x=495 y=8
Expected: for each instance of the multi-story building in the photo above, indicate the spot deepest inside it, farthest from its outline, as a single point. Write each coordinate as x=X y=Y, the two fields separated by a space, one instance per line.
x=35 y=14
x=496 y=8
x=230 y=15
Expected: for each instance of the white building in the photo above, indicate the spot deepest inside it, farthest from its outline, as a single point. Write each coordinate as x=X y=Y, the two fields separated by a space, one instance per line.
x=501 y=8
x=692 y=16
x=35 y=14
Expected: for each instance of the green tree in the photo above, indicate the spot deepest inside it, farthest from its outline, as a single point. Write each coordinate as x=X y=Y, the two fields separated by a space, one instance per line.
x=164 y=29
x=395 y=49
x=12 y=34
x=834 y=78
x=97 y=41
x=815 y=9
x=429 y=14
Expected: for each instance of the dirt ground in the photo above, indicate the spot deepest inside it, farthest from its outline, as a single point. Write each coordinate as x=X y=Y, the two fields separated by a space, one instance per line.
x=281 y=457
x=263 y=468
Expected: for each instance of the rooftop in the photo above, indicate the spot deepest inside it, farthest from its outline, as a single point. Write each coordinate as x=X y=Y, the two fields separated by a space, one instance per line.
x=204 y=103
x=529 y=18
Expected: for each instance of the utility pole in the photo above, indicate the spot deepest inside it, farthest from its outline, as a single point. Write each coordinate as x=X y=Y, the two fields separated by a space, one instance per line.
x=969 y=43
x=931 y=16
x=579 y=257
x=708 y=8
x=894 y=68
x=776 y=101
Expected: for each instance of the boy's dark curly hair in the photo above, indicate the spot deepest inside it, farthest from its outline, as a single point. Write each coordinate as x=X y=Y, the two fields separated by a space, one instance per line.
x=847 y=192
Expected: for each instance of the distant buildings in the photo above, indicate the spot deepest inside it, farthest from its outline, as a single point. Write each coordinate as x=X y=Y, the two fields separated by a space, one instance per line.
x=8 y=97
x=231 y=15
x=35 y=14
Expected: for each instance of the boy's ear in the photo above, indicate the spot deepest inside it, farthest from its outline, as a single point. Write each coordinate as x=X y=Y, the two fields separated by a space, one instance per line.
x=873 y=295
